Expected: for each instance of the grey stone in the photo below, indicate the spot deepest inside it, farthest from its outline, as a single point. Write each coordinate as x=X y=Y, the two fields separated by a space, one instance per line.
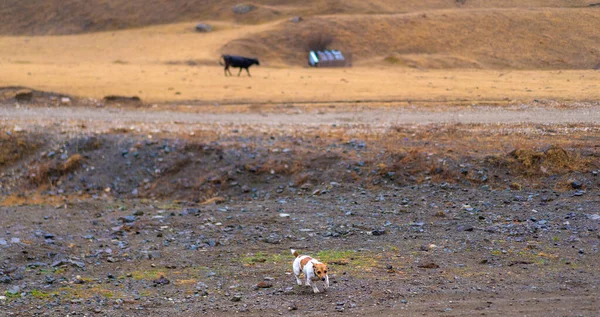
x=128 y=218
x=236 y=298
x=13 y=290
x=273 y=238
x=203 y=27
x=243 y=8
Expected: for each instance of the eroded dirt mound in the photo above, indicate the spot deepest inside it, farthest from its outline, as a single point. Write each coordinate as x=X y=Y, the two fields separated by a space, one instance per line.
x=258 y=167
x=27 y=95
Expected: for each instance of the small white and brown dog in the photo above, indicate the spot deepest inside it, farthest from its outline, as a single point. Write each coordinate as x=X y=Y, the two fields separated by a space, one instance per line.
x=313 y=270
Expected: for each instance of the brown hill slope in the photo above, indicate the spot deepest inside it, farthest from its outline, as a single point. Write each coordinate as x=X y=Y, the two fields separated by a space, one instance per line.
x=549 y=38
x=41 y=17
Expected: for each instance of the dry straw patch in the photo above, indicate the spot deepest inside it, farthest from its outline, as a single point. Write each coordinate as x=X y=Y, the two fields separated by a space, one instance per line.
x=15 y=146
x=49 y=172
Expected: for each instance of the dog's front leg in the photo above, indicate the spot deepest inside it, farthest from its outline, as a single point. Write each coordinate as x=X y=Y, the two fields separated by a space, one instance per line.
x=326 y=282
x=313 y=285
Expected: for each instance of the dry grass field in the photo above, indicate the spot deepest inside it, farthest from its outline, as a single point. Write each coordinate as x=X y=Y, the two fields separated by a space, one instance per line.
x=131 y=63
x=431 y=50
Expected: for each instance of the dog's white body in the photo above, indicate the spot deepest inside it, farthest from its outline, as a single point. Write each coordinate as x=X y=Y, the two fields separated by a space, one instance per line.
x=305 y=264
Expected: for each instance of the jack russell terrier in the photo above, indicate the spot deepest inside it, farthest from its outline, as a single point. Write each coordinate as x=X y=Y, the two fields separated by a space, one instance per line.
x=313 y=270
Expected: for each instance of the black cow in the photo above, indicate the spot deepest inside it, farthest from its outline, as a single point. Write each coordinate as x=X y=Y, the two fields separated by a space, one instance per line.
x=237 y=61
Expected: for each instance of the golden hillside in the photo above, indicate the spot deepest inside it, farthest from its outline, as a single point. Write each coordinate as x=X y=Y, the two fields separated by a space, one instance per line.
x=44 y=17
x=547 y=38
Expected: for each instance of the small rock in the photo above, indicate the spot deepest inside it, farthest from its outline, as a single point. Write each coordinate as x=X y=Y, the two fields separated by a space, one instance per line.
x=284 y=215
x=575 y=184
x=593 y=216
x=465 y=228
x=245 y=189
x=13 y=290
x=292 y=307
x=161 y=281
x=378 y=232
x=61 y=262
x=128 y=218
x=236 y=298
x=203 y=27
x=243 y=8
x=34 y=265
x=65 y=101
x=3 y=242
x=190 y=211
x=296 y=19
x=78 y=264
x=429 y=265
x=264 y=284
x=273 y=238
x=5 y=279
x=78 y=280
x=50 y=279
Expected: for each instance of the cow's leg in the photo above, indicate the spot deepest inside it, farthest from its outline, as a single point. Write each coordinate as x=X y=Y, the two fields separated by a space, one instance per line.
x=226 y=69
x=240 y=71
x=248 y=72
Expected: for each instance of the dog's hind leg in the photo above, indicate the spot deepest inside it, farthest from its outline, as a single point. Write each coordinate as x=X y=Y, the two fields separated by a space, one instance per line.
x=298 y=280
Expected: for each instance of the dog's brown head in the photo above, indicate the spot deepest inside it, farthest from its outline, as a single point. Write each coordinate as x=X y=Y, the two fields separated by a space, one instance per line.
x=320 y=270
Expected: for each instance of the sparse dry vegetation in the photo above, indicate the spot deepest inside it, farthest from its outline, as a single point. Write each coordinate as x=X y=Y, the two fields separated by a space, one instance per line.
x=15 y=146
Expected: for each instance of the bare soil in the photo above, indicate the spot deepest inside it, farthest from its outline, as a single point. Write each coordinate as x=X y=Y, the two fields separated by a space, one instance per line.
x=489 y=215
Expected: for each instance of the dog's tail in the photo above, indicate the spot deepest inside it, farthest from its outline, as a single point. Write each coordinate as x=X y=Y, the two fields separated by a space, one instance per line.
x=295 y=253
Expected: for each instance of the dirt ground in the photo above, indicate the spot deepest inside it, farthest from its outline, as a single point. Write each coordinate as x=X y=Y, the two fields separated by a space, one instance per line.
x=163 y=211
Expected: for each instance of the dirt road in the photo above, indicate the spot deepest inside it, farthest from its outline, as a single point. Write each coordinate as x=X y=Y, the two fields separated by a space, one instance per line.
x=310 y=116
